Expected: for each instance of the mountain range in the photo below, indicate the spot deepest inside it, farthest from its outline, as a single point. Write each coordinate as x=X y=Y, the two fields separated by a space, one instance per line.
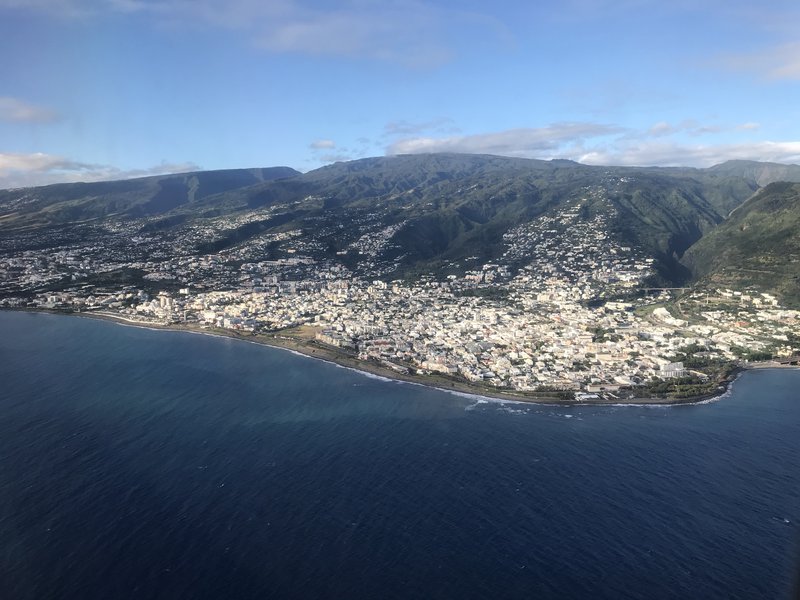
x=757 y=245
x=736 y=224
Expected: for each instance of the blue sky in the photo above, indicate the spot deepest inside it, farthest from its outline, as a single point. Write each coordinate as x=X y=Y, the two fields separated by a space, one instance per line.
x=103 y=89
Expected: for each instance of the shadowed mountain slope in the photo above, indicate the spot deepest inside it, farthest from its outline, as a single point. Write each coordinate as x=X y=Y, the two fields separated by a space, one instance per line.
x=68 y=202
x=759 y=245
x=403 y=214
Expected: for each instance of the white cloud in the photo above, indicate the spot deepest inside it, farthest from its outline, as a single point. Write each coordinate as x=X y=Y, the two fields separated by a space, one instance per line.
x=661 y=128
x=668 y=154
x=322 y=145
x=750 y=126
x=24 y=170
x=526 y=142
x=32 y=162
x=379 y=32
x=780 y=21
x=687 y=126
x=779 y=63
x=601 y=144
x=414 y=33
x=326 y=151
x=331 y=158
x=56 y=8
x=18 y=111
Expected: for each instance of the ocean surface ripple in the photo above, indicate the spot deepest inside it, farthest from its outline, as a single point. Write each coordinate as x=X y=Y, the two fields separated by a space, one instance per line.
x=154 y=464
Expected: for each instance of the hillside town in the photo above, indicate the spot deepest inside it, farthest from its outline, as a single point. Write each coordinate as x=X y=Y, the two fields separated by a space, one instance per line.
x=558 y=311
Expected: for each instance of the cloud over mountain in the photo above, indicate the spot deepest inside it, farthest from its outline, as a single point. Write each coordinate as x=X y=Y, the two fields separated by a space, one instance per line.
x=527 y=142
x=24 y=170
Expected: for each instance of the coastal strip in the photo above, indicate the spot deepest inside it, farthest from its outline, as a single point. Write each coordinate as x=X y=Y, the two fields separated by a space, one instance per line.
x=308 y=347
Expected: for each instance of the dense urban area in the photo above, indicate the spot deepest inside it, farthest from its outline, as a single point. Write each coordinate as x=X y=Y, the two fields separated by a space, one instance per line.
x=573 y=321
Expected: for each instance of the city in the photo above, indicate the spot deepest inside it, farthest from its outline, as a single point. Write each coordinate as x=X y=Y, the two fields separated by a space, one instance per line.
x=557 y=316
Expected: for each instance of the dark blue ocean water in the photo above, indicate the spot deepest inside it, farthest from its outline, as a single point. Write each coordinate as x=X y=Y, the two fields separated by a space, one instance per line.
x=149 y=464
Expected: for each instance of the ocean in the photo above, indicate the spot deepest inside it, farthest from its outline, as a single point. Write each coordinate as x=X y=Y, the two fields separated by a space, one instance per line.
x=155 y=464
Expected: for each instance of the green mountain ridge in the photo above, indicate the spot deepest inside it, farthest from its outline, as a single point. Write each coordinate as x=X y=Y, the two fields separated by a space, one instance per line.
x=461 y=205
x=399 y=215
x=68 y=202
x=759 y=245
x=762 y=173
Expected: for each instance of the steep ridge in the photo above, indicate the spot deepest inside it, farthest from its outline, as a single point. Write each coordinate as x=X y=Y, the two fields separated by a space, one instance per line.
x=69 y=202
x=761 y=173
x=448 y=207
x=393 y=216
x=759 y=245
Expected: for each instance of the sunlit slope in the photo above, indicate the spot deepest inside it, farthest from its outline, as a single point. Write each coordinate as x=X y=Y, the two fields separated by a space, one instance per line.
x=60 y=204
x=434 y=213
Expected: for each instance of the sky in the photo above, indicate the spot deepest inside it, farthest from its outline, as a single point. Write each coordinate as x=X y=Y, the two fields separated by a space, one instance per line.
x=109 y=89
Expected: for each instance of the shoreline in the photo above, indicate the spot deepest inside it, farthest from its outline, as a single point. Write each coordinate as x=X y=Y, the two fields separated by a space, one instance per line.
x=335 y=356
